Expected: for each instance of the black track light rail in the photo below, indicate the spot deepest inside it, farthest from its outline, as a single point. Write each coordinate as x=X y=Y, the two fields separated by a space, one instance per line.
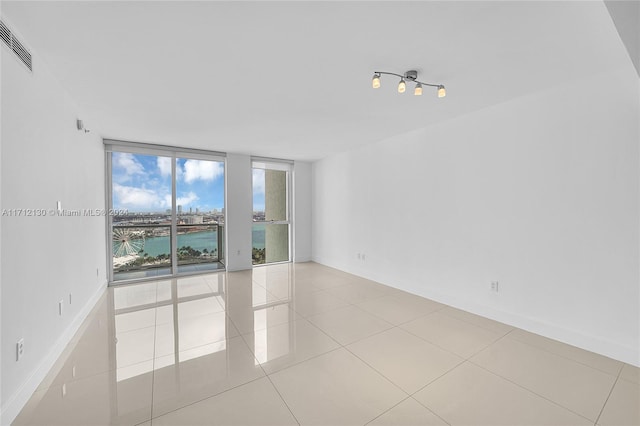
x=408 y=77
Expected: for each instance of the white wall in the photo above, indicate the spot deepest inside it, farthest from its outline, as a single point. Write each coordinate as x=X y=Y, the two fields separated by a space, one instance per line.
x=45 y=159
x=239 y=210
x=302 y=211
x=540 y=193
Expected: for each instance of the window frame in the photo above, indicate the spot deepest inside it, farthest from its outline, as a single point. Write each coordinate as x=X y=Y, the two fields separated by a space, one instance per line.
x=114 y=145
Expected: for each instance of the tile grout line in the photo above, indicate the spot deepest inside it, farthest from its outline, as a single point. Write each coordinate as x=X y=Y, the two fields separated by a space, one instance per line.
x=563 y=356
x=438 y=378
x=386 y=411
x=153 y=360
x=269 y=378
x=560 y=356
x=208 y=397
x=282 y=398
x=464 y=360
x=530 y=391
x=355 y=341
x=434 y=413
x=421 y=315
x=488 y=346
x=376 y=370
x=340 y=346
x=472 y=323
x=435 y=344
x=609 y=395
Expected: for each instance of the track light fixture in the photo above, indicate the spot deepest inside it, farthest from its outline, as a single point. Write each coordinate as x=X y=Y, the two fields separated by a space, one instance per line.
x=412 y=76
x=402 y=86
x=376 y=81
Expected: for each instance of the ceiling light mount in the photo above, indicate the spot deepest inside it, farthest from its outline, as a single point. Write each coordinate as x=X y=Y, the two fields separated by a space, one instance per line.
x=409 y=76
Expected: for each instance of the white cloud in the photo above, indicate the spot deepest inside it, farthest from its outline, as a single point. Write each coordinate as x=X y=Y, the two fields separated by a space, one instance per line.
x=164 y=165
x=128 y=163
x=202 y=170
x=186 y=200
x=258 y=181
x=136 y=198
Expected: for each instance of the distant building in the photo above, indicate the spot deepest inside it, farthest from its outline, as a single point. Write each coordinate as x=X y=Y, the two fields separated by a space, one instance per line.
x=194 y=220
x=179 y=209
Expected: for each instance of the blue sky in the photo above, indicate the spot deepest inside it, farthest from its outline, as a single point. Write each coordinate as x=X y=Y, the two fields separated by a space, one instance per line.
x=258 y=190
x=142 y=183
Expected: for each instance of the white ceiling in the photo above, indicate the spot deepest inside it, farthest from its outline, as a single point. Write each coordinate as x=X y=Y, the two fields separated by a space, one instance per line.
x=293 y=79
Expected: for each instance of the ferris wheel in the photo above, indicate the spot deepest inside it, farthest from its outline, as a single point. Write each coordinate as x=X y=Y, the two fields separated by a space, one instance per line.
x=127 y=242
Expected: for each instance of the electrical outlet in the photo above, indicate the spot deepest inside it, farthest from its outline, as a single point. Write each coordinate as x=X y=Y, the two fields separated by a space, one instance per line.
x=363 y=256
x=359 y=257
x=238 y=252
x=60 y=305
x=495 y=286
x=19 y=349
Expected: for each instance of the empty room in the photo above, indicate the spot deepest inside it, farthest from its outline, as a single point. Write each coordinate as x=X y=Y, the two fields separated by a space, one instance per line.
x=320 y=213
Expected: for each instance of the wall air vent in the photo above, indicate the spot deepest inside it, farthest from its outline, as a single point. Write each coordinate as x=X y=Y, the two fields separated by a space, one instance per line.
x=5 y=33
x=18 y=48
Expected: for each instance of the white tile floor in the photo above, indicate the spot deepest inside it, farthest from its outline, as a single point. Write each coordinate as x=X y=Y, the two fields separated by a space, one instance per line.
x=306 y=344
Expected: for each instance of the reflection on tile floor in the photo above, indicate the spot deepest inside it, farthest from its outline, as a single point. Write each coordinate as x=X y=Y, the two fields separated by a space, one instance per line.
x=306 y=344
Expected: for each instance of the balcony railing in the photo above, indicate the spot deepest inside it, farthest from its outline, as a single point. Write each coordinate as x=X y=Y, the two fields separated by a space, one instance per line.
x=199 y=243
x=148 y=246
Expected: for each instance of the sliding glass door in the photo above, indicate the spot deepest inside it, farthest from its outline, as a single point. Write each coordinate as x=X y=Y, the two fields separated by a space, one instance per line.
x=167 y=212
x=271 y=212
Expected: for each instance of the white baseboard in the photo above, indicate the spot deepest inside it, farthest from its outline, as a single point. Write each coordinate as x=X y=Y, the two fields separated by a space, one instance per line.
x=17 y=401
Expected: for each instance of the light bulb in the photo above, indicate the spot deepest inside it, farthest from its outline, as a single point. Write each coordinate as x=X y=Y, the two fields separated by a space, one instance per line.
x=402 y=86
x=441 y=92
x=418 y=90
x=376 y=81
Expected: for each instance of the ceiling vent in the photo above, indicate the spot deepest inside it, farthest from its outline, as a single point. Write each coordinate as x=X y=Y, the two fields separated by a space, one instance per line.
x=18 y=48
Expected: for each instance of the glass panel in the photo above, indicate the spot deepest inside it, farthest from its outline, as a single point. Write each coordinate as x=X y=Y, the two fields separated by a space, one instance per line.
x=141 y=251
x=270 y=204
x=258 y=240
x=200 y=214
x=258 y=196
x=270 y=243
x=141 y=229
x=276 y=243
x=275 y=195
